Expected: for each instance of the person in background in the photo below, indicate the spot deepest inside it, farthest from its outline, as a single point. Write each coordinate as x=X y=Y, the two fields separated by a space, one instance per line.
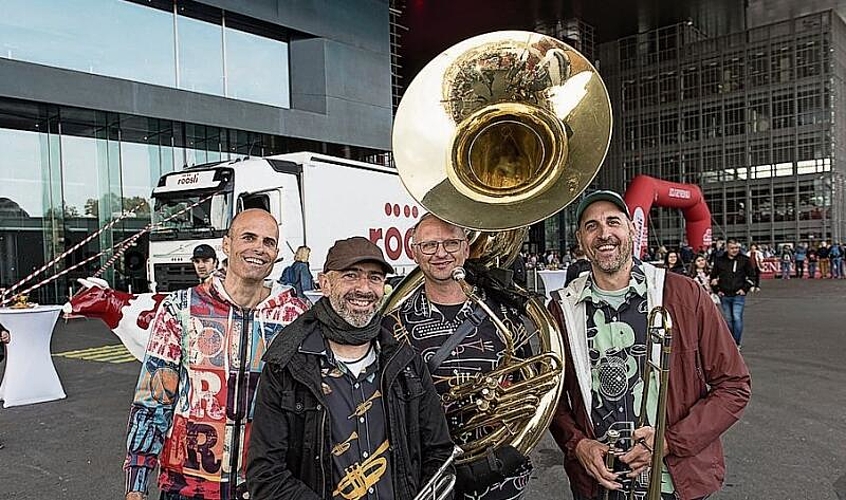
x=580 y=265
x=193 y=404
x=673 y=263
x=298 y=274
x=732 y=278
x=756 y=260
x=518 y=269
x=603 y=319
x=813 y=259
x=822 y=255
x=835 y=257
x=786 y=260
x=700 y=272
x=799 y=257
x=204 y=260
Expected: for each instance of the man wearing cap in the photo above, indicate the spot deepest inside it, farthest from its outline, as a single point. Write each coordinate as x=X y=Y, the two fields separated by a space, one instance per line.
x=603 y=316
x=204 y=260
x=459 y=340
x=343 y=410
x=193 y=404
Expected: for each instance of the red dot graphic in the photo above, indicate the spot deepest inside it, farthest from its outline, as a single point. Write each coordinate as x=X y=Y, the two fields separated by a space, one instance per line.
x=396 y=210
x=414 y=212
x=388 y=209
x=406 y=210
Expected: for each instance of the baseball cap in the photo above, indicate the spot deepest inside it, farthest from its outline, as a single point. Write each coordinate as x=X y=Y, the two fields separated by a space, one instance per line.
x=204 y=252
x=346 y=253
x=603 y=195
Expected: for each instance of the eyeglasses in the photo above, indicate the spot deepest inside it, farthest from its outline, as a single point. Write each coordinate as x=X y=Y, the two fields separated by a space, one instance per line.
x=431 y=247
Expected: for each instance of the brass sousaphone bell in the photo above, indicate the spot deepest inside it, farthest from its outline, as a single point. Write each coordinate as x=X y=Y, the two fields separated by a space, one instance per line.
x=496 y=133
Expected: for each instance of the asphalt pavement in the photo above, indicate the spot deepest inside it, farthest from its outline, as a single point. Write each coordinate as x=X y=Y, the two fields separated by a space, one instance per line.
x=790 y=444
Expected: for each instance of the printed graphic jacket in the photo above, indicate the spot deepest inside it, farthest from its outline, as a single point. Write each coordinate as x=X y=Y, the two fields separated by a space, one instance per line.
x=709 y=384
x=290 y=445
x=193 y=403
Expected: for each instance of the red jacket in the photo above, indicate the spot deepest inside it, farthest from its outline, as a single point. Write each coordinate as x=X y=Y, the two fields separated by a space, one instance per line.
x=709 y=386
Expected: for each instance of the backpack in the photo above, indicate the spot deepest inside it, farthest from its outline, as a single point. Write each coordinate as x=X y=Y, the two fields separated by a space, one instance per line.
x=288 y=276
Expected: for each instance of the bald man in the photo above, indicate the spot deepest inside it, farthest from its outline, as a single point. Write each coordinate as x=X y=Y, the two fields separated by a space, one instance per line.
x=193 y=404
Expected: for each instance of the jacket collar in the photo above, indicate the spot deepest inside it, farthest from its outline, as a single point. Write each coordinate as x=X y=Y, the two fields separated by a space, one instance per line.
x=214 y=287
x=637 y=284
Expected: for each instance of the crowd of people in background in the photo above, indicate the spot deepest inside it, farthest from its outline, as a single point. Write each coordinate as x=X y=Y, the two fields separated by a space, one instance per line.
x=814 y=260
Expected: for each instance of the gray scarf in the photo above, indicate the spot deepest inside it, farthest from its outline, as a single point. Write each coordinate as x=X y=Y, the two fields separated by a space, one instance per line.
x=336 y=329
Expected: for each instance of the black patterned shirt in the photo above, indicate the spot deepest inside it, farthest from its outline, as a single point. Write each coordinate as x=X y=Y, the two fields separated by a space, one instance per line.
x=427 y=327
x=616 y=338
x=361 y=466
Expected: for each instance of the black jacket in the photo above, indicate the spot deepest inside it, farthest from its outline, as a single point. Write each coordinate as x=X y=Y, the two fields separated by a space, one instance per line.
x=289 y=452
x=734 y=274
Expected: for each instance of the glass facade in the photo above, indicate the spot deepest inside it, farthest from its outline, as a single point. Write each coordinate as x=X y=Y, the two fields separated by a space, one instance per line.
x=67 y=172
x=750 y=117
x=174 y=44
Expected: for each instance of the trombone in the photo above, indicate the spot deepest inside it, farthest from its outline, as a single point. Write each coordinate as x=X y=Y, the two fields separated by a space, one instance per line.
x=658 y=336
x=441 y=484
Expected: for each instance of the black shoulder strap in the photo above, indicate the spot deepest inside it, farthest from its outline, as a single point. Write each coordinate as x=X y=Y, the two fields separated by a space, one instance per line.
x=473 y=320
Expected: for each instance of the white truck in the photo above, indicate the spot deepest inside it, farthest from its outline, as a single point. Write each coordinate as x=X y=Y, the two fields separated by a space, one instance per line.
x=317 y=200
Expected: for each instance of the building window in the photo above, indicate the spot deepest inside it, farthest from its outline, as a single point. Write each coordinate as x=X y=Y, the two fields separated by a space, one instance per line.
x=759 y=68
x=669 y=90
x=712 y=121
x=628 y=52
x=690 y=125
x=783 y=109
x=110 y=38
x=781 y=63
x=649 y=91
x=733 y=72
x=629 y=95
x=630 y=134
x=711 y=78
x=650 y=130
x=735 y=114
x=690 y=83
x=759 y=113
x=808 y=57
x=138 y=42
x=669 y=128
x=809 y=105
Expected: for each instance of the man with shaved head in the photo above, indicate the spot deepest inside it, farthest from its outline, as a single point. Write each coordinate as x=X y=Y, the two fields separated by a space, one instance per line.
x=193 y=404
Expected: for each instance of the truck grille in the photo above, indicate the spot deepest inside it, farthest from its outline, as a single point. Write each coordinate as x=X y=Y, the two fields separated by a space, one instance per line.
x=170 y=277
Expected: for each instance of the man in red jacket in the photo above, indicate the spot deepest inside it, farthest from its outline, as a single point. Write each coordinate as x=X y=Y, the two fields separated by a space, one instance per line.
x=603 y=315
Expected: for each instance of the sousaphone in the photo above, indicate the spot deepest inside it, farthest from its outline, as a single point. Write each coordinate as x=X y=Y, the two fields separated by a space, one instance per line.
x=496 y=133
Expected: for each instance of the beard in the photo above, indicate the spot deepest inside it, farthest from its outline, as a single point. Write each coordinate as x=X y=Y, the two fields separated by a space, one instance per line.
x=356 y=318
x=616 y=262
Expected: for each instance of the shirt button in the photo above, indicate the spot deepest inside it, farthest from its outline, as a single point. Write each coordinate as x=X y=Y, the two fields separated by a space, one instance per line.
x=371 y=491
x=361 y=420
x=454 y=353
x=364 y=454
x=357 y=385
x=318 y=407
x=614 y=318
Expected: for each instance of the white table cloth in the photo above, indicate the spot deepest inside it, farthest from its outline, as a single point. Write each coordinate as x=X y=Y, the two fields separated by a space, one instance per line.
x=30 y=375
x=552 y=280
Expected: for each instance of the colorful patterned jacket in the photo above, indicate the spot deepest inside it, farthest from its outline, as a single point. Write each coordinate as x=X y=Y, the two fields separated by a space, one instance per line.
x=193 y=404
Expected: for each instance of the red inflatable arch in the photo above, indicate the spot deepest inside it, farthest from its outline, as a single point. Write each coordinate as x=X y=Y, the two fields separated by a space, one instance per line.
x=645 y=191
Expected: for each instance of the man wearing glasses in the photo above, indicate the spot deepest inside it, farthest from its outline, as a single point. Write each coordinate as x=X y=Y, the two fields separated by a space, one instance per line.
x=457 y=340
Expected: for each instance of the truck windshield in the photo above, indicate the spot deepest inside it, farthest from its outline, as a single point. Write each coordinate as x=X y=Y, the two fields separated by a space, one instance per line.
x=209 y=219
